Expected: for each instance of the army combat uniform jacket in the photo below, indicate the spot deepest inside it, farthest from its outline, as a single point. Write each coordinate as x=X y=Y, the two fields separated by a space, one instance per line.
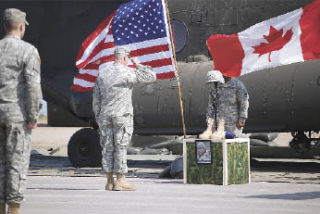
x=112 y=106
x=113 y=90
x=20 y=90
x=229 y=101
x=20 y=99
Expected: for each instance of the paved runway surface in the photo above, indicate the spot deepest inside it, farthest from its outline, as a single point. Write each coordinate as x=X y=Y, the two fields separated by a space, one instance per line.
x=55 y=187
x=85 y=195
x=278 y=186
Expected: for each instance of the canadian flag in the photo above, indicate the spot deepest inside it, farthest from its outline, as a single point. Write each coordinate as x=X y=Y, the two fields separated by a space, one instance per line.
x=289 y=38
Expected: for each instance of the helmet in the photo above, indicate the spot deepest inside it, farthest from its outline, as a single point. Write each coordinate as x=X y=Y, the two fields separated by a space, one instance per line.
x=214 y=76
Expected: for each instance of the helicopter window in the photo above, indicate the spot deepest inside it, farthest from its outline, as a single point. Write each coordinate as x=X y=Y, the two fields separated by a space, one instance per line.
x=180 y=34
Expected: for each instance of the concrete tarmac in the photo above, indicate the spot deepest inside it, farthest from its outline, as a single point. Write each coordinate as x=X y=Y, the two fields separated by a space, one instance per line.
x=83 y=195
x=55 y=187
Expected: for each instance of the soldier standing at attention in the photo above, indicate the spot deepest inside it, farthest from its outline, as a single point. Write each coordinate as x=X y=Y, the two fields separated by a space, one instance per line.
x=20 y=101
x=228 y=100
x=112 y=106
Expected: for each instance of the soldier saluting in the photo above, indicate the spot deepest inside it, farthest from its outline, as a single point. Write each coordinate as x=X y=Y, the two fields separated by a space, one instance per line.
x=20 y=100
x=112 y=106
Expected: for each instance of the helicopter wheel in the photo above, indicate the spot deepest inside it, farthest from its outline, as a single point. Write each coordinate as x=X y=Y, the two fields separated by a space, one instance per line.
x=84 y=148
x=300 y=142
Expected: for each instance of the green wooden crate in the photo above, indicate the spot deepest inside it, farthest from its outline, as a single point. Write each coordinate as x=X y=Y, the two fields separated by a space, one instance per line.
x=229 y=164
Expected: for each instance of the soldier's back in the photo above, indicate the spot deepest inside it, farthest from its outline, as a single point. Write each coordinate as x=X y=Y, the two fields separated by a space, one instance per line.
x=116 y=83
x=14 y=53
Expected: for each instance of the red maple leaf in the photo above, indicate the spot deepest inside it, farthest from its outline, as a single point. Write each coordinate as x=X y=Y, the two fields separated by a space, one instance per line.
x=275 y=41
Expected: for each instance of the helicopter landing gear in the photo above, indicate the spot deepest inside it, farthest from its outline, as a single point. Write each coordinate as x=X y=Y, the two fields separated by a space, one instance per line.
x=302 y=143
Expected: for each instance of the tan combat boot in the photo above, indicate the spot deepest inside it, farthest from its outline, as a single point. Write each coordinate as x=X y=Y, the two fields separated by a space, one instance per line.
x=14 y=208
x=220 y=128
x=208 y=132
x=2 y=208
x=110 y=181
x=122 y=185
x=219 y=134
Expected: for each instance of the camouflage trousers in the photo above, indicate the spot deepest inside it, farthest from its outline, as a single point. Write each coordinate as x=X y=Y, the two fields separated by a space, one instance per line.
x=15 y=143
x=115 y=136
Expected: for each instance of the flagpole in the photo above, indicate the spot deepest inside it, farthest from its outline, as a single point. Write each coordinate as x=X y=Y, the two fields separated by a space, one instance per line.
x=177 y=76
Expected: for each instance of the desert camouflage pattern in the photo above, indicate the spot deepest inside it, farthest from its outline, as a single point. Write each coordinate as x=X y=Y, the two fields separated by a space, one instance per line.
x=20 y=90
x=115 y=137
x=15 y=143
x=112 y=106
x=230 y=102
x=20 y=100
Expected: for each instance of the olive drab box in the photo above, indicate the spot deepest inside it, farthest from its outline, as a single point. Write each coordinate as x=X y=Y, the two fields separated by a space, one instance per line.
x=216 y=162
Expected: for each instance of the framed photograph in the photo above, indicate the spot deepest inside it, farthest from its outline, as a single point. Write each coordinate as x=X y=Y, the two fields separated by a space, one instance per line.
x=203 y=151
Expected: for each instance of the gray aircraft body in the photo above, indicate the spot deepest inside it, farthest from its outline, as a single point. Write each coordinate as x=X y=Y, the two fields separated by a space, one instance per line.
x=282 y=99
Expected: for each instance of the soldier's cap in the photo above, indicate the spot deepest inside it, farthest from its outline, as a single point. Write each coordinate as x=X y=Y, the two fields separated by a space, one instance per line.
x=214 y=76
x=122 y=51
x=15 y=15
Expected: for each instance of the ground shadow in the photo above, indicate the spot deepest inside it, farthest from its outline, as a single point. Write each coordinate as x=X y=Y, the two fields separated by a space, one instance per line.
x=45 y=161
x=285 y=166
x=292 y=196
x=59 y=165
x=61 y=189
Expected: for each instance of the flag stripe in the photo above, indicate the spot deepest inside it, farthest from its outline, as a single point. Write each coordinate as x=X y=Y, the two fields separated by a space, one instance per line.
x=88 y=84
x=106 y=55
x=149 y=50
x=96 y=51
x=81 y=88
x=90 y=75
x=89 y=57
x=83 y=83
x=86 y=77
x=166 y=75
x=157 y=70
x=95 y=37
x=91 y=66
x=151 y=57
x=108 y=43
x=144 y=54
x=164 y=69
x=92 y=72
x=158 y=63
x=135 y=48
x=146 y=44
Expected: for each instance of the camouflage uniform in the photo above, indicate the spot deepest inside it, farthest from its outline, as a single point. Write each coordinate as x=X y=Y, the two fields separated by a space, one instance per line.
x=112 y=106
x=20 y=100
x=229 y=101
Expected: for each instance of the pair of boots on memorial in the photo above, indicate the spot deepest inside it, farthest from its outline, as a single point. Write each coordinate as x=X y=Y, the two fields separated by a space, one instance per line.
x=211 y=133
x=13 y=208
x=120 y=184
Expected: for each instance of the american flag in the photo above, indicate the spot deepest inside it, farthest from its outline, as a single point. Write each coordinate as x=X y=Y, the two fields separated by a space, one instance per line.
x=139 y=25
